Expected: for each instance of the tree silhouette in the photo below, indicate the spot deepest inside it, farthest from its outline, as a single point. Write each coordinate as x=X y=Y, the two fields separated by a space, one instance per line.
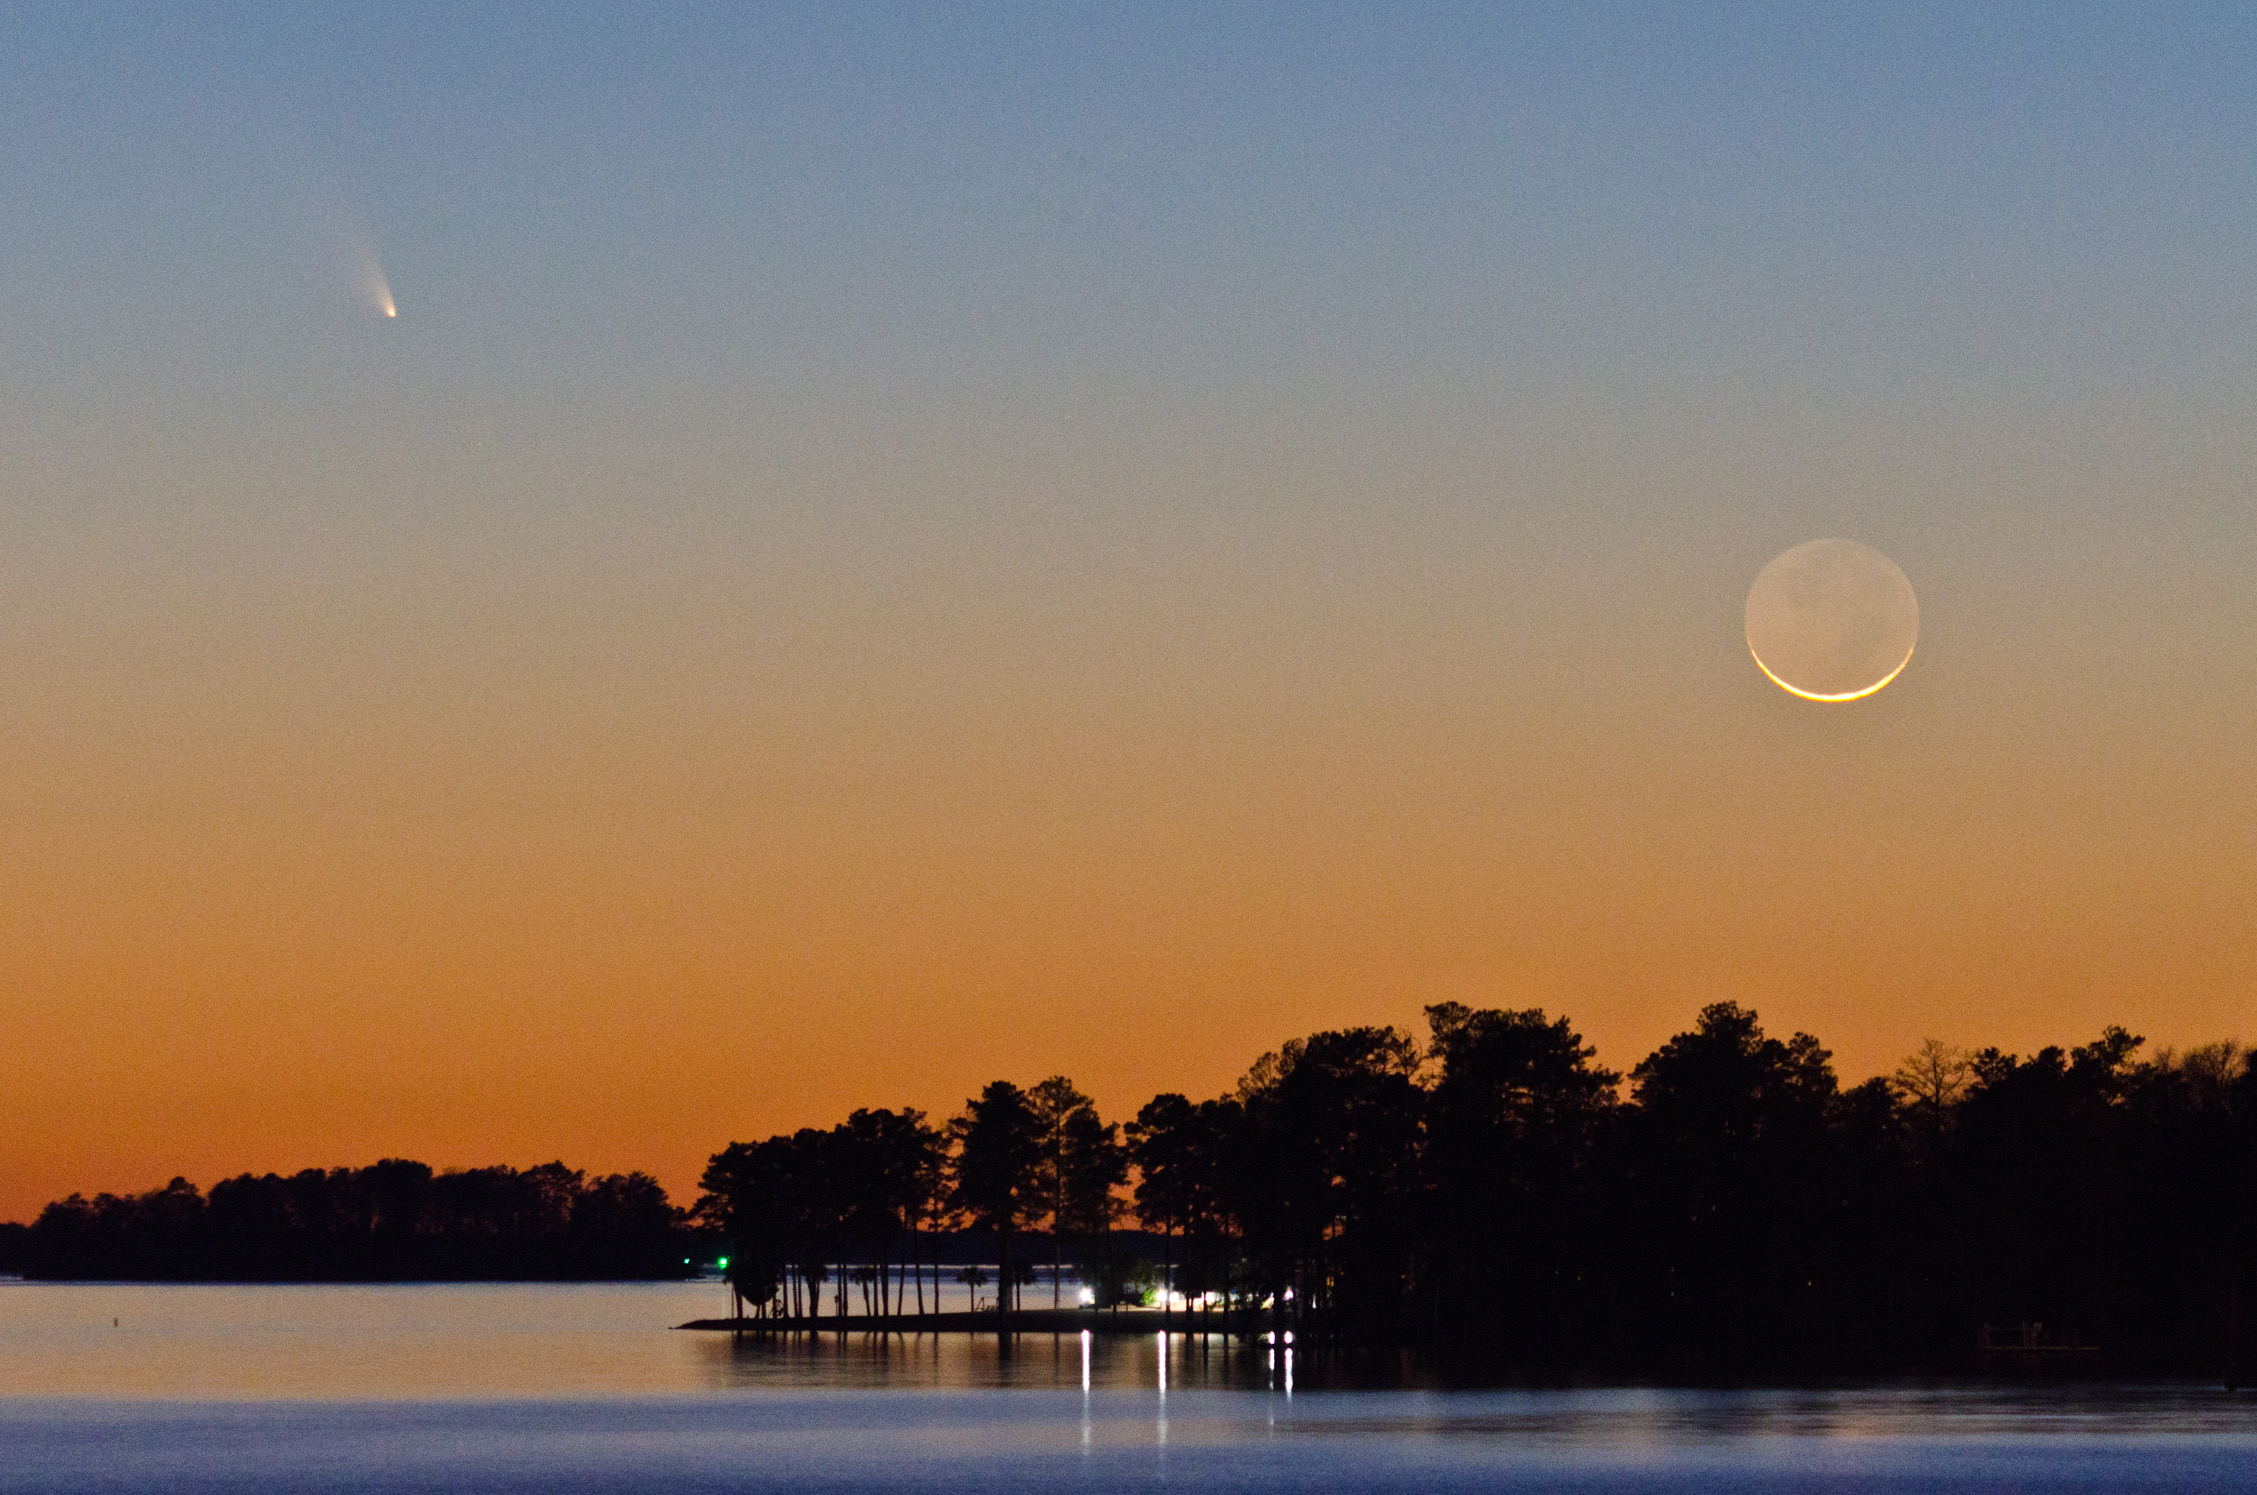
x=1727 y=1144
x=1517 y=1116
x=1096 y=1166
x=1055 y=1104
x=1337 y=1118
x=996 y=1170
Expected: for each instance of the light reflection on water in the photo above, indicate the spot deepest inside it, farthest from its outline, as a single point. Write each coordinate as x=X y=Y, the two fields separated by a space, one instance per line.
x=583 y=1388
x=515 y=1340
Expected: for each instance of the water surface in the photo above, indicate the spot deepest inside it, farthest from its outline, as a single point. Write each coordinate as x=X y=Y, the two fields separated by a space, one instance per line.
x=583 y=1388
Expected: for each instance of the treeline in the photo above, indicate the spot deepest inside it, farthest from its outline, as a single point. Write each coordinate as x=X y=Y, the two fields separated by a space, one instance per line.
x=868 y=1205
x=1728 y=1208
x=394 y=1221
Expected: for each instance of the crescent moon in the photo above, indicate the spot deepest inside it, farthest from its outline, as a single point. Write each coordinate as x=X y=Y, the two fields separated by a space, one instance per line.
x=1832 y=620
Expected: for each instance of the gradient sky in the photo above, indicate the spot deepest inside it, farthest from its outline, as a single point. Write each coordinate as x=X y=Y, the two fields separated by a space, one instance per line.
x=888 y=551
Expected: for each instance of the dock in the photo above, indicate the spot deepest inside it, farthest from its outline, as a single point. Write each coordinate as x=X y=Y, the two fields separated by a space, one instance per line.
x=985 y=1321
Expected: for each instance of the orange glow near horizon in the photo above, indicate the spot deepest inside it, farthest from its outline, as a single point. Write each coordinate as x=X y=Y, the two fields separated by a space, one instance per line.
x=624 y=871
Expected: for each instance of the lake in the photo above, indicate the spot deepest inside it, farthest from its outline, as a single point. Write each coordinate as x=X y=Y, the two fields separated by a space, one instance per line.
x=584 y=1388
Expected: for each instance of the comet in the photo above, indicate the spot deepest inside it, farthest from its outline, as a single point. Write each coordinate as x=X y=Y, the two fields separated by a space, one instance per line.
x=345 y=233
x=379 y=291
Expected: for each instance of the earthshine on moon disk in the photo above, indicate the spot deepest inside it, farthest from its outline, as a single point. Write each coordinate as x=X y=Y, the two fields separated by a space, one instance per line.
x=1832 y=620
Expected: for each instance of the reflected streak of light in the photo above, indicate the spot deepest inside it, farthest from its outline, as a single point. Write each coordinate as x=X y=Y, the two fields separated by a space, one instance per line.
x=1163 y=1419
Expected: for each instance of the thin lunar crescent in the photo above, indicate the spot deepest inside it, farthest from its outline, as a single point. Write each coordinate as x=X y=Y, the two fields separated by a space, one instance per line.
x=1832 y=620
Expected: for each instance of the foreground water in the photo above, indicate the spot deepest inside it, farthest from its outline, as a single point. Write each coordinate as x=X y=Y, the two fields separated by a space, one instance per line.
x=585 y=1389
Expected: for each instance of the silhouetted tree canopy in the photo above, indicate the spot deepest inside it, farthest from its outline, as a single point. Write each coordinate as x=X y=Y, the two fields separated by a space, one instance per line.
x=1729 y=1208
x=392 y=1221
x=996 y=1170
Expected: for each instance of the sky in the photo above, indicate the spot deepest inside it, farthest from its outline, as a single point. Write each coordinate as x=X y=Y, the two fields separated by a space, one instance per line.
x=891 y=547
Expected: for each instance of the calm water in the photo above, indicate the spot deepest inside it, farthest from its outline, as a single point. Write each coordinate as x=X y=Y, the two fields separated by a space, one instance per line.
x=583 y=1388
